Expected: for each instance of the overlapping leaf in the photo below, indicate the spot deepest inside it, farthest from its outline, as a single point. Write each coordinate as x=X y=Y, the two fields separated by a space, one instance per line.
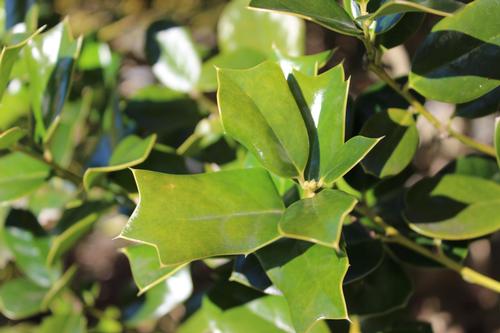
x=10 y=137
x=238 y=213
x=457 y=61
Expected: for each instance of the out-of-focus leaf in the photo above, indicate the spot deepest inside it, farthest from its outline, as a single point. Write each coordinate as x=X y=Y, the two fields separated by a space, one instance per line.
x=74 y=224
x=453 y=207
x=10 y=137
x=290 y=265
x=146 y=268
x=241 y=205
x=268 y=125
x=324 y=12
x=497 y=139
x=51 y=59
x=268 y=314
x=385 y=289
x=402 y=30
x=30 y=245
x=318 y=219
x=14 y=105
x=130 y=151
x=178 y=65
x=163 y=298
x=8 y=57
x=398 y=145
x=457 y=61
x=242 y=28
x=16 y=11
x=483 y=106
x=21 y=298
x=240 y=58
x=207 y=132
x=437 y=7
x=19 y=175
x=394 y=322
x=74 y=323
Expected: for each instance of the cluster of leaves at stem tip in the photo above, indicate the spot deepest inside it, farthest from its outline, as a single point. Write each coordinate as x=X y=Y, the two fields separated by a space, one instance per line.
x=304 y=202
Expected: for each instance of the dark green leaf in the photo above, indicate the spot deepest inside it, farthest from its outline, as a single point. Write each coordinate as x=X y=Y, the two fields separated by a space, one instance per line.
x=457 y=61
x=327 y=13
x=437 y=7
x=497 y=139
x=318 y=219
x=290 y=265
x=268 y=125
x=397 y=148
x=239 y=213
x=483 y=106
x=404 y=29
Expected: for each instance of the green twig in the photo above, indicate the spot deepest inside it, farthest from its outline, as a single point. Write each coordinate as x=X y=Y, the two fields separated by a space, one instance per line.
x=393 y=235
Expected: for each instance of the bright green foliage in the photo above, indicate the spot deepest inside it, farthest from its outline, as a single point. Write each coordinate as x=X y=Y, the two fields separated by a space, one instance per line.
x=74 y=323
x=397 y=147
x=21 y=298
x=497 y=139
x=20 y=174
x=235 y=204
x=290 y=264
x=10 y=137
x=446 y=66
x=146 y=268
x=318 y=219
x=268 y=125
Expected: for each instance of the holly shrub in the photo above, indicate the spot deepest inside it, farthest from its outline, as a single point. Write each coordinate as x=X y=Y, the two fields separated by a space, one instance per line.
x=259 y=192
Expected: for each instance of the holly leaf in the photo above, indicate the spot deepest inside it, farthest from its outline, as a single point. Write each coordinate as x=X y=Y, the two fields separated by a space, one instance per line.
x=239 y=214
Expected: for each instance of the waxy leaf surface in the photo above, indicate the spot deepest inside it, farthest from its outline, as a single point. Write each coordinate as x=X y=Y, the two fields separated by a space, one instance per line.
x=268 y=124
x=458 y=61
x=318 y=219
x=238 y=212
x=310 y=278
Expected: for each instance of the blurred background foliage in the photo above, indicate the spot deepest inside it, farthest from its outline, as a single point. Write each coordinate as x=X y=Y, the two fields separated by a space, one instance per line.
x=118 y=91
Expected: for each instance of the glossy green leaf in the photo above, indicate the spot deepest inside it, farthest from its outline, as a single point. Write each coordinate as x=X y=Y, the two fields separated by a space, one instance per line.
x=248 y=271
x=318 y=219
x=454 y=207
x=51 y=59
x=10 y=137
x=436 y=7
x=497 y=139
x=291 y=265
x=30 y=245
x=74 y=323
x=268 y=125
x=131 y=151
x=73 y=225
x=384 y=290
x=163 y=298
x=240 y=58
x=268 y=314
x=8 y=56
x=306 y=64
x=242 y=28
x=146 y=268
x=349 y=155
x=402 y=30
x=178 y=66
x=240 y=205
x=21 y=298
x=455 y=62
x=398 y=145
x=327 y=13
x=20 y=175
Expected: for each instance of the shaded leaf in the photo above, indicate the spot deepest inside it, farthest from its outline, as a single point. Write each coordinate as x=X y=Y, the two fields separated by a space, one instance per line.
x=241 y=205
x=131 y=151
x=483 y=106
x=248 y=271
x=396 y=150
x=318 y=219
x=10 y=137
x=436 y=7
x=268 y=125
x=324 y=12
x=290 y=265
x=497 y=139
x=402 y=30
x=457 y=61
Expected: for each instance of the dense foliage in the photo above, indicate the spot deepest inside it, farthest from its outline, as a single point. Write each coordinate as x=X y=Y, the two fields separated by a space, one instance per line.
x=291 y=206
